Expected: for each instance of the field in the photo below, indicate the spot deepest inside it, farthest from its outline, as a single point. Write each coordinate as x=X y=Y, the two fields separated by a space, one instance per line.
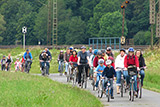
x=20 y=89
x=18 y=53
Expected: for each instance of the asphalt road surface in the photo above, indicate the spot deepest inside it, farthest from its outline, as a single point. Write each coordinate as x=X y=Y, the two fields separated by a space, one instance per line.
x=149 y=98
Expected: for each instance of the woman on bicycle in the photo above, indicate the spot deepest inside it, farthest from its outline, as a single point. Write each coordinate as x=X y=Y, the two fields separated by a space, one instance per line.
x=17 y=65
x=73 y=60
x=60 y=60
x=109 y=73
x=119 y=65
x=142 y=64
x=98 y=71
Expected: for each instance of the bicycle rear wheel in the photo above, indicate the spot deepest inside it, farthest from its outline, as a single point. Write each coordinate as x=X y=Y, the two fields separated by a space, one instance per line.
x=108 y=96
x=122 y=82
x=74 y=77
x=140 y=89
x=132 y=92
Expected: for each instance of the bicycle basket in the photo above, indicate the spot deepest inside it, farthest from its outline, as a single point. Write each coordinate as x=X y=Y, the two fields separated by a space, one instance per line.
x=132 y=70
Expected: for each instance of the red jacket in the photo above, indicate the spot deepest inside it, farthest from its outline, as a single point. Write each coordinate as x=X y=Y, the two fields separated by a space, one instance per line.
x=131 y=60
x=95 y=61
x=73 y=59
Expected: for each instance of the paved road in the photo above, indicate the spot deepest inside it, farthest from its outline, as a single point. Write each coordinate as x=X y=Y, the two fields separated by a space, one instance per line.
x=149 y=98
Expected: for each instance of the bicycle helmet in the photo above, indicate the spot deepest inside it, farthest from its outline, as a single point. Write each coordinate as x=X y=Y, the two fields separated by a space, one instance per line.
x=44 y=51
x=108 y=62
x=103 y=51
x=130 y=49
x=110 y=58
x=3 y=56
x=95 y=52
x=71 y=48
x=83 y=47
x=101 y=61
x=109 y=49
x=61 y=51
x=27 y=50
x=99 y=53
x=123 y=50
x=17 y=58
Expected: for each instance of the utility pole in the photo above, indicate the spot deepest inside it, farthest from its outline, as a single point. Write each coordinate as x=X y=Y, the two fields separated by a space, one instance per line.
x=49 y=24
x=55 y=23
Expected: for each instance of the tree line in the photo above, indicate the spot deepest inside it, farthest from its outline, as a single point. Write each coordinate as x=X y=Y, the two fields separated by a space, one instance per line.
x=78 y=20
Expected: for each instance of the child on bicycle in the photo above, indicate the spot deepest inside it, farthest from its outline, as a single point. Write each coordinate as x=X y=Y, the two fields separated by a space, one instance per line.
x=109 y=73
x=98 y=71
x=60 y=60
x=17 y=65
x=3 y=63
x=73 y=60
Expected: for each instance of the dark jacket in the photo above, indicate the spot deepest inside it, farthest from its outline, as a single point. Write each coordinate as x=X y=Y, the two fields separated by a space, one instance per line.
x=49 y=54
x=109 y=72
x=67 y=56
x=141 y=61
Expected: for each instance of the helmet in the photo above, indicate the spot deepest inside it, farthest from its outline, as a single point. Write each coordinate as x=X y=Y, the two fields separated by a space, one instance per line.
x=71 y=48
x=83 y=47
x=17 y=58
x=61 y=51
x=130 y=49
x=108 y=62
x=109 y=49
x=95 y=52
x=27 y=50
x=103 y=51
x=101 y=61
x=44 y=51
x=3 y=56
x=122 y=50
x=99 y=53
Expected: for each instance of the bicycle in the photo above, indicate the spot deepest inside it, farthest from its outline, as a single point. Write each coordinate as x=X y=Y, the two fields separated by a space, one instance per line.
x=27 y=69
x=83 y=76
x=44 y=71
x=8 y=66
x=61 y=68
x=74 y=73
x=132 y=72
x=139 y=83
x=69 y=72
x=100 y=88
x=123 y=86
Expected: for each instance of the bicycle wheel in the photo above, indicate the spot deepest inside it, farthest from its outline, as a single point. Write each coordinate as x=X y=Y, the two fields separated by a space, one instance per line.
x=74 y=77
x=93 y=84
x=140 y=89
x=122 y=82
x=85 y=78
x=82 y=79
x=108 y=97
x=132 y=92
x=99 y=89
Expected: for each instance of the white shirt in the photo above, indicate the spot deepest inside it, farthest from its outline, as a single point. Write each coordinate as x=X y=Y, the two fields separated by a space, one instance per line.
x=119 y=62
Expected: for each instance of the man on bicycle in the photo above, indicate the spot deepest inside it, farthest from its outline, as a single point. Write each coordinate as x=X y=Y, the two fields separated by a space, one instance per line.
x=49 y=55
x=109 y=52
x=131 y=60
x=9 y=61
x=44 y=57
x=98 y=71
x=104 y=55
x=27 y=55
x=82 y=59
x=119 y=65
x=109 y=73
x=66 y=60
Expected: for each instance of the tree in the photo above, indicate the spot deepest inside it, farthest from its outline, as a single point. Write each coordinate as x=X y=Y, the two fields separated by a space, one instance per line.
x=2 y=26
x=111 y=25
x=76 y=31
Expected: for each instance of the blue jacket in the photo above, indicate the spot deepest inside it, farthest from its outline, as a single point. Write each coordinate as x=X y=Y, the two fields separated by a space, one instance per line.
x=24 y=56
x=99 y=69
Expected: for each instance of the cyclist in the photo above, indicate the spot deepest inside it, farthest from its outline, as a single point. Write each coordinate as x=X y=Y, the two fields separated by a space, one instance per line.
x=119 y=64
x=66 y=59
x=27 y=55
x=98 y=72
x=104 y=55
x=109 y=52
x=141 y=64
x=112 y=59
x=82 y=59
x=9 y=61
x=131 y=60
x=17 y=65
x=73 y=59
x=60 y=60
x=22 y=64
x=91 y=59
x=44 y=57
x=90 y=52
x=71 y=50
x=109 y=72
x=99 y=56
x=3 y=63
x=50 y=56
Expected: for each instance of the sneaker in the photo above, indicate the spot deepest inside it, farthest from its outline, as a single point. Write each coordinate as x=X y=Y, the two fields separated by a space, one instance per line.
x=112 y=97
x=65 y=73
x=79 y=84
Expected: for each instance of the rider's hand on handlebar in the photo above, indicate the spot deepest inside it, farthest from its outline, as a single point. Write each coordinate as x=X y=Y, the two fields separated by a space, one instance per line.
x=125 y=69
x=138 y=69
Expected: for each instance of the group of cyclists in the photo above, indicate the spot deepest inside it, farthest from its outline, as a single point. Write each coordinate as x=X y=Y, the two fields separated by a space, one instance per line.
x=23 y=64
x=101 y=64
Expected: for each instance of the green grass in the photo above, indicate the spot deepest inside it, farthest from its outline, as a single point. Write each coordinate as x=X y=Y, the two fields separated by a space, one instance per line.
x=18 y=53
x=152 y=74
x=20 y=89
